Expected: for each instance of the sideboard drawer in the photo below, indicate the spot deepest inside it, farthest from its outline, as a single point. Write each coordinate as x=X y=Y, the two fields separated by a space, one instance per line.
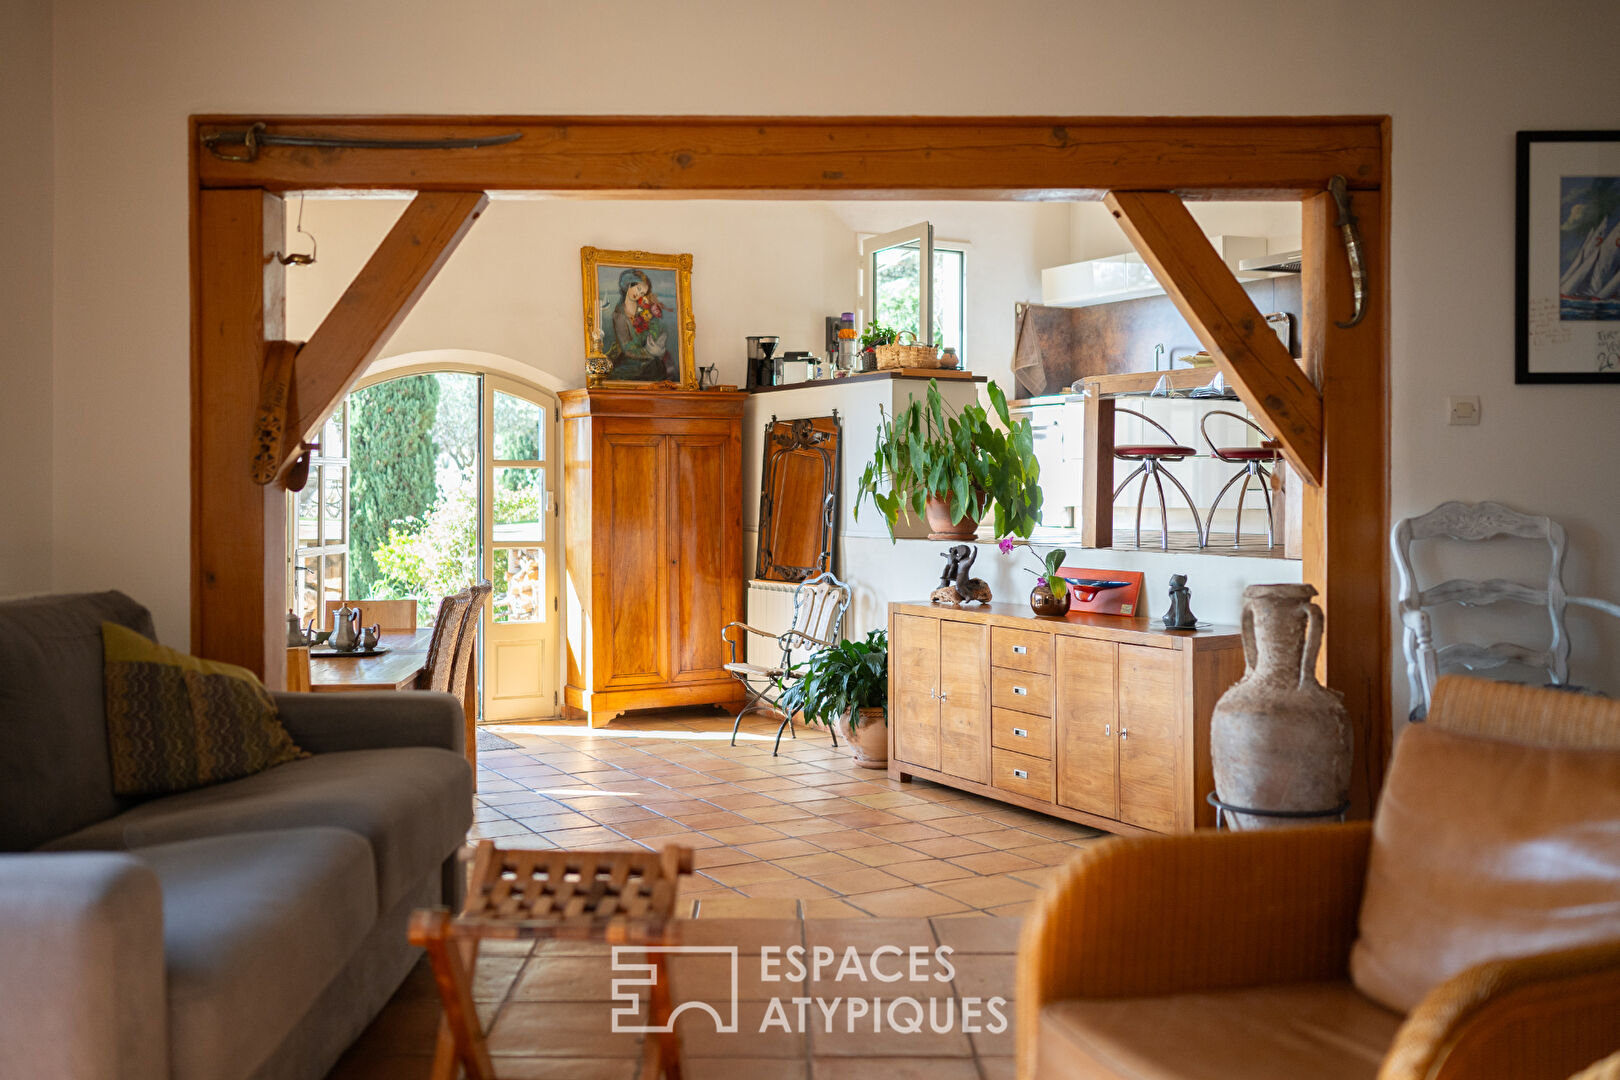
x=1021 y=774
x=1023 y=691
x=1022 y=650
x=1025 y=733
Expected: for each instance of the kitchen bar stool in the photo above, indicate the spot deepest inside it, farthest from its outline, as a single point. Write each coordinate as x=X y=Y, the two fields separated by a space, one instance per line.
x=1150 y=459
x=1254 y=460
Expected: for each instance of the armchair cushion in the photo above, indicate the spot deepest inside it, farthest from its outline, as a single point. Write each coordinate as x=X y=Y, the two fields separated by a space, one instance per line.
x=1324 y=1030
x=1483 y=850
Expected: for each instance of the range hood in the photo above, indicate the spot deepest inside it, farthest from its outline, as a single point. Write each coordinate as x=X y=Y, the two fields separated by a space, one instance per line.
x=1282 y=262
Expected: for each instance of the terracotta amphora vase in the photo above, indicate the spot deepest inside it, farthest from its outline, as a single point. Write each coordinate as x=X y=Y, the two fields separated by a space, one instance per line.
x=1279 y=740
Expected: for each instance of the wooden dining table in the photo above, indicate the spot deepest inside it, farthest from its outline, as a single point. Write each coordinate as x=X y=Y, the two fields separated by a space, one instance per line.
x=395 y=669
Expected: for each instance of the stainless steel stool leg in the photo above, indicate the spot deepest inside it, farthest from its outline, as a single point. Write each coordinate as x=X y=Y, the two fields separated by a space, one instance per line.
x=1164 y=512
x=1209 y=528
x=1265 y=489
x=1243 y=493
x=1198 y=526
x=1123 y=484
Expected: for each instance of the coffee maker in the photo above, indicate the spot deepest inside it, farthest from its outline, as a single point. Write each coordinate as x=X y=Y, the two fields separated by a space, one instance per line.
x=760 y=350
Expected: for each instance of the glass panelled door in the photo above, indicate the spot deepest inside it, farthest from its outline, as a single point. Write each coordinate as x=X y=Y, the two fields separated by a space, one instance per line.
x=520 y=527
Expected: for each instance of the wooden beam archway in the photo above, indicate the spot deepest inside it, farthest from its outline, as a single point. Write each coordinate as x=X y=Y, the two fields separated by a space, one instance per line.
x=1337 y=431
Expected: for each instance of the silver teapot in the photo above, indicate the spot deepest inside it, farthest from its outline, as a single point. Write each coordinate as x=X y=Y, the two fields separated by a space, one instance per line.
x=344 y=636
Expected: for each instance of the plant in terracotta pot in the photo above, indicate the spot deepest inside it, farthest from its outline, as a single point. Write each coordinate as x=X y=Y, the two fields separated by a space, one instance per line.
x=847 y=688
x=952 y=466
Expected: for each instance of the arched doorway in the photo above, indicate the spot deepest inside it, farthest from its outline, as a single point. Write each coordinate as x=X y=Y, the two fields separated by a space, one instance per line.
x=439 y=470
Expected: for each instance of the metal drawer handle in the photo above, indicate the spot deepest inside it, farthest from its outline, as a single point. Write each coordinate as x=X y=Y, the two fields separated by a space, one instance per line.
x=1020 y=650
x=1108 y=729
x=1020 y=691
x=1124 y=733
x=1022 y=774
x=1022 y=733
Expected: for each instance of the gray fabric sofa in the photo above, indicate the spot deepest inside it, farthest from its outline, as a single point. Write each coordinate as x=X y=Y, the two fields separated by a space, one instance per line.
x=246 y=930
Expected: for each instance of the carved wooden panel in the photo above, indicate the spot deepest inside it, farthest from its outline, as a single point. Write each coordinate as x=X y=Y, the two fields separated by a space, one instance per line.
x=798 y=498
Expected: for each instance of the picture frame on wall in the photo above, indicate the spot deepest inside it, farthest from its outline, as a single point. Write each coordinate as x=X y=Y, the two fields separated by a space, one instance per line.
x=1567 y=303
x=638 y=319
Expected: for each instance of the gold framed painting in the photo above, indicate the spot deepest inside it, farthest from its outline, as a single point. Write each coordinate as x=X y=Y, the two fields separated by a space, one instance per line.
x=638 y=319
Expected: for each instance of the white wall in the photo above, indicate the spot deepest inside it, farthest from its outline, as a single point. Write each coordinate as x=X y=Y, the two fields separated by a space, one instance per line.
x=1458 y=78
x=26 y=196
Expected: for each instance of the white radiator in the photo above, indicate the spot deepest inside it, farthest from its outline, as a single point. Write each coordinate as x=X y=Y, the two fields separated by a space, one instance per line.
x=770 y=608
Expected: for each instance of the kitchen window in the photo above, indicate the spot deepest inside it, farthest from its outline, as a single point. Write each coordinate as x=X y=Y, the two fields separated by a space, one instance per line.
x=917 y=285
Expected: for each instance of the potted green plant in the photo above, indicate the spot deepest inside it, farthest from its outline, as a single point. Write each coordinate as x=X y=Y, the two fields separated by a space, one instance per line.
x=951 y=466
x=874 y=335
x=1050 y=597
x=847 y=688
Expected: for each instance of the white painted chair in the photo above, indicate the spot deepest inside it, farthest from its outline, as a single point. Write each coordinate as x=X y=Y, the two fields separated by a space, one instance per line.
x=1425 y=661
x=818 y=619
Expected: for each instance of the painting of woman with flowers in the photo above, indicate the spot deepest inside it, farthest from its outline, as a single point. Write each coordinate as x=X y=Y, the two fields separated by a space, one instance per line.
x=638 y=318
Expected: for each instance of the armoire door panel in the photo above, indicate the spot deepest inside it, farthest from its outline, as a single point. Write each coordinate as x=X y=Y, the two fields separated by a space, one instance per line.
x=1087 y=725
x=914 y=652
x=1150 y=724
x=964 y=707
x=701 y=600
x=634 y=468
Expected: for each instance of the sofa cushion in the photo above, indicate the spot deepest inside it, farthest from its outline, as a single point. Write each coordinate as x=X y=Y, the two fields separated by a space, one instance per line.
x=254 y=928
x=1325 y=1031
x=412 y=804
x=1485 y=849
x=54 y=772
x=177 y=722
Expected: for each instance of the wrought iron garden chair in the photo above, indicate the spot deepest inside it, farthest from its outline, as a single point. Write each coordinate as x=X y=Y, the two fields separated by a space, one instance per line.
x=819 y=604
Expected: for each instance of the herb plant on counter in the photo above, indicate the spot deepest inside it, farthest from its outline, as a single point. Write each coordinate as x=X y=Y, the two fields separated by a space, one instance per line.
x=959 y=457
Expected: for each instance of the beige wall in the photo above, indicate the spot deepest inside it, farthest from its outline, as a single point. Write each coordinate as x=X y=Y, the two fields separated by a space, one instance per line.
x=25 y=296
x=1458 y=78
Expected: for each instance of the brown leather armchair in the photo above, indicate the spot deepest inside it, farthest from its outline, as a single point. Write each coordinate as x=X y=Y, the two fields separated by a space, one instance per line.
x=1227 y=954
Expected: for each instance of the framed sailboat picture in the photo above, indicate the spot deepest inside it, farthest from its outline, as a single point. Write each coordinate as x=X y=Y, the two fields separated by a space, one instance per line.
x=1568 y=304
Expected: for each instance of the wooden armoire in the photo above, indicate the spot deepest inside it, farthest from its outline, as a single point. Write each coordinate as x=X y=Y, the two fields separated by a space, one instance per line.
x=653 y=524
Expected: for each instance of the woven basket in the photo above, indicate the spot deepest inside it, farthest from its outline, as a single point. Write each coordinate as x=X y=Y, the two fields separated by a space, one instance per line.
x=908 y=356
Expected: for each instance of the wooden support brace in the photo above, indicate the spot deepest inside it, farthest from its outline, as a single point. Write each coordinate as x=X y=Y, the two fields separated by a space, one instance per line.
x=1209 y=297
x=1097 y=487
x=372 y=308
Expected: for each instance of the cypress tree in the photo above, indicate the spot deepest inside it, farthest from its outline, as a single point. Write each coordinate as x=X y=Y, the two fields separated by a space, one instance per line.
x=392 y=477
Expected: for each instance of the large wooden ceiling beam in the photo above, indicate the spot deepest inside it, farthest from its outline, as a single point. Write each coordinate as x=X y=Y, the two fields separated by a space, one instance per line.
x=373 y=306
x=777 y=157
x=1257 y=365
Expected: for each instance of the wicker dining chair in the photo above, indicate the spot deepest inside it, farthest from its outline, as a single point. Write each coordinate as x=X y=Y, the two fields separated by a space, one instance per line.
x=441 y=657
x=819 y=605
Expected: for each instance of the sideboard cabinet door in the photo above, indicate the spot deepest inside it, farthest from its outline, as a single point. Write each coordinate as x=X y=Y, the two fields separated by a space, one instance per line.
x=1087 y=725
x=964 y=708
x=1150 y=722
x=914 y=652
x=702 y=521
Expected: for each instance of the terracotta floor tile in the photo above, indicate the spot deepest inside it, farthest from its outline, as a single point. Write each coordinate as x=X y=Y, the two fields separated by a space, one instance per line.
x=914 y=900
x=865 y=879
x=699 y=1038
x=713 y=819
x=559 y=1029
x=966 y=824
x=770 y=811
x=884 y=799
x=984 y=975
x=980 y=935
x=1011 y=911
x=884 y=854
x=865 y=819
x=994 y=862
x=743 y=800
x=821 y=862
x=573 y=838
x=539 y=1068
x=867 y=934
x=749 y=873
x=837 y=839
x=811 y=827
x=556 y=822
x=863 y=1042
x=910 y=830
x=789 y=888
x=920 y=1068
x=494 y=976
x=923 y=871
x=998 y=1068
x=944 y=847
x=781 y=849
x=829 y=909
x=695 y=977
x=741 y=1068
x=1050 y=854
x=929 y=812
x=746 y=834
x=1036 y=875
x=720 y=856
x=750 y=936
x=619 y=815
x=564 y=978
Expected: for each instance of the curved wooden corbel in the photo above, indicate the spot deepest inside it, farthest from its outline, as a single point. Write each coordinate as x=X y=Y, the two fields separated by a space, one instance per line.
x=270 y=418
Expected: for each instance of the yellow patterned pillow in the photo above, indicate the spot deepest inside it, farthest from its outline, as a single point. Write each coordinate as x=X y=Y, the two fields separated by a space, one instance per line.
x=175 y=722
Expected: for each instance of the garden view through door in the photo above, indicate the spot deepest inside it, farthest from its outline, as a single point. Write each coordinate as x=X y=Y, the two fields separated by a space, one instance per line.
x=426 y=484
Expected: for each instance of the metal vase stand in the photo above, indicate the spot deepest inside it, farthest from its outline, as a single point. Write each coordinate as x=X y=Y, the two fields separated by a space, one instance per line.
x=1336 y=813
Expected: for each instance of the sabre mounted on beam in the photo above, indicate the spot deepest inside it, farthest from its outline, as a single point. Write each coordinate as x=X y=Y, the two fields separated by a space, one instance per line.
x=250 y=139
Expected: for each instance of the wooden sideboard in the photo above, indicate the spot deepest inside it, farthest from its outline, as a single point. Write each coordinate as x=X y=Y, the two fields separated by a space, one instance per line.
x=1099 y=719
x=653 y=504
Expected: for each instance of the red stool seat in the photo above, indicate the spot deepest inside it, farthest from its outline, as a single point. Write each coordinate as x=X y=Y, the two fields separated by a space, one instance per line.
x=1153 y=451
x=1245 y=453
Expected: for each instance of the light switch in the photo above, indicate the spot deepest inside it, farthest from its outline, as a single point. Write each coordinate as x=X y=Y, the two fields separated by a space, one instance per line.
x=1464 y=411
